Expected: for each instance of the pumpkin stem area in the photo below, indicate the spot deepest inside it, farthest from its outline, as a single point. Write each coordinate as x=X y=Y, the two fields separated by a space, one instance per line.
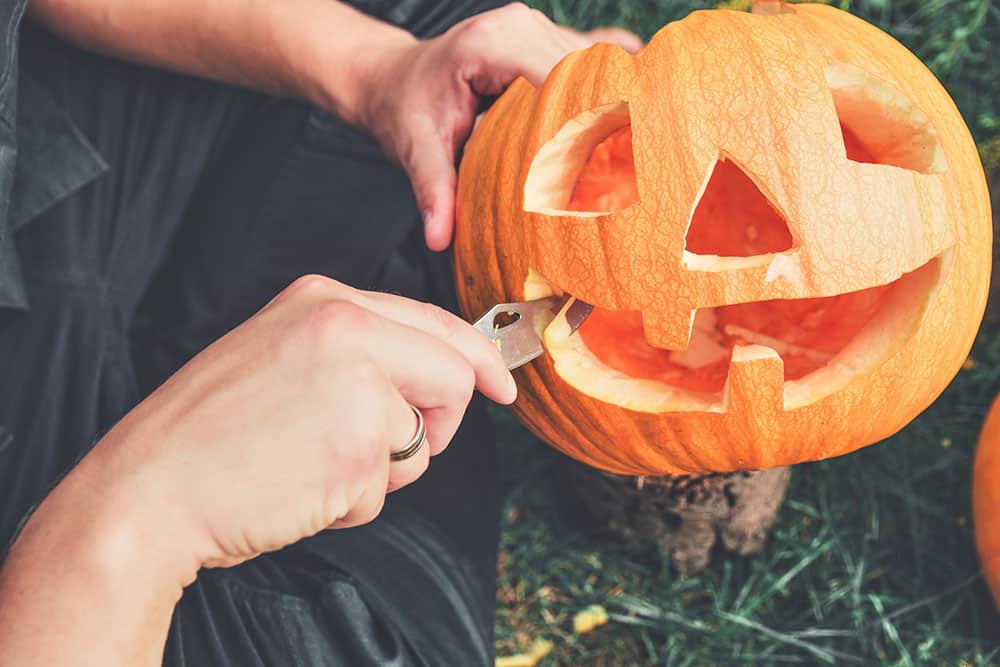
x=732 y=219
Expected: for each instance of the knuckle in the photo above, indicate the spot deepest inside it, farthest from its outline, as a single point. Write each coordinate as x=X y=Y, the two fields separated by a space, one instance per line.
x=477 y=26
x=539 y=15
x=366 y=380
x=311 y=284
x=443 y=323
x=360 y=438
x=518 y=9
x=495 y=26
x=354 y=432
x=338 y=319
x=497 y=21
x=514 y=15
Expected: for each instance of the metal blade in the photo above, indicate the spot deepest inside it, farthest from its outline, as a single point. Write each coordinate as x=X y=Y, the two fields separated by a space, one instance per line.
x=512 y=327
x=577 y=313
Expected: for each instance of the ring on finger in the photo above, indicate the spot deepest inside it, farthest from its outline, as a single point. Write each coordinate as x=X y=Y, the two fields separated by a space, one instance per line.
x=414 y=444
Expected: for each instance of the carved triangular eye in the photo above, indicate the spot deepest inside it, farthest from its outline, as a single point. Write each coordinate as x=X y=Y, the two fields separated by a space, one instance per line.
x=733 y=218
x=880 y=124
x=586 y=168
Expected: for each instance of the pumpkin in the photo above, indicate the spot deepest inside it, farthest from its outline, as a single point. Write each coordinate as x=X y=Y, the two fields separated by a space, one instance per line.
x=779 y=217
x=986 y=499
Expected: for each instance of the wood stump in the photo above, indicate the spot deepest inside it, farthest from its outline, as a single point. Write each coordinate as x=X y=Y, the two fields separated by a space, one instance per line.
x=684 y=517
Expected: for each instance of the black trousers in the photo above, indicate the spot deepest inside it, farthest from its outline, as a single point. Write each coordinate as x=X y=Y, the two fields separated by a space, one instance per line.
x=215 y=200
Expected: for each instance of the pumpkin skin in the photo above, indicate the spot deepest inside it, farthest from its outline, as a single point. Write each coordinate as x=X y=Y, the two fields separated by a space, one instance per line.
x=799 y=99
x=986 y=499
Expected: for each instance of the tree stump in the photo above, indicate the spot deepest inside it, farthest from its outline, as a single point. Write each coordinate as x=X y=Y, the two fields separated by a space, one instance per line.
x=682 y=516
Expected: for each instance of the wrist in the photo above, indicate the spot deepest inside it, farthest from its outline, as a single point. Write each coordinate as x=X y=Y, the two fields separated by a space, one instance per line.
x=88 y=570
x=110 y=520
x=343 y=75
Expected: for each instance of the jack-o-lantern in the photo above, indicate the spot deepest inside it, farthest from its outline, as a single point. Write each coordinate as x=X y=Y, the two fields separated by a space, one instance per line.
x=986 y=499
x=780 y=219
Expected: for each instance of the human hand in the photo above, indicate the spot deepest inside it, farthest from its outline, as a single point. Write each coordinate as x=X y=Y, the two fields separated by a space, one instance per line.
x=422 y=98
x=284 y=427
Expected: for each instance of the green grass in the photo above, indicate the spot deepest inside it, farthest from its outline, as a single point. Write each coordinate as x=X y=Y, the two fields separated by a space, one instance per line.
x=872 y=560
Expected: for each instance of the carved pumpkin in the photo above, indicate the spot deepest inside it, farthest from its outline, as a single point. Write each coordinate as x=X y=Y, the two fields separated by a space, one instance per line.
x=780 y=218
x=986 y=499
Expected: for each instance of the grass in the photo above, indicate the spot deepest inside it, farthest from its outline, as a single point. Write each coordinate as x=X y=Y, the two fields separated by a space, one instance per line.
x=872 y=560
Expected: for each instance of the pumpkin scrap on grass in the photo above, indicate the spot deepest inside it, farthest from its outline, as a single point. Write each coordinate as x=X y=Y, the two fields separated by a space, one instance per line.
x=539 y=650
x=788 y=259
x=590 y=618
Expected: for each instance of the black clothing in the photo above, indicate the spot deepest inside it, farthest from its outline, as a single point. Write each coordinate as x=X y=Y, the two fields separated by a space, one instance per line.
x=153 y=212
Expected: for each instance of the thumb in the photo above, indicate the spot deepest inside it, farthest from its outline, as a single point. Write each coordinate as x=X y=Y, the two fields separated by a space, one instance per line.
x=431 y=168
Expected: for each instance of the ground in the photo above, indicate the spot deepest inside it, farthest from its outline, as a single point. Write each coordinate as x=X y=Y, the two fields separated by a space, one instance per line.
x=871 y=561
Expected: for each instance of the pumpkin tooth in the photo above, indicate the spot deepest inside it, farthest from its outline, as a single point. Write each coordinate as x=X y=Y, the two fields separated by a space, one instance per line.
x=754 y=387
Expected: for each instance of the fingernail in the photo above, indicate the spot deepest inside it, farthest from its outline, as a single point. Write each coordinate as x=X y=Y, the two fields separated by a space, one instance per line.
x=512 y=387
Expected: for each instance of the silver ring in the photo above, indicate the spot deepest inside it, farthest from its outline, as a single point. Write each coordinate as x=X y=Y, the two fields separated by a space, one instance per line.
x=415 y=443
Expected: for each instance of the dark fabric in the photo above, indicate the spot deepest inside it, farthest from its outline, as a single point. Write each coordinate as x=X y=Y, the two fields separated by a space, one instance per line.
x=424 y=18
x=65 y=362
x=388 y=593
x=11 y=289
x=212 y=200
x=43 y=157
x=54 y=159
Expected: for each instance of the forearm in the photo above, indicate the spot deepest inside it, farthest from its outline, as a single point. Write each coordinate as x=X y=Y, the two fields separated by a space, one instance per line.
x=88 y=584
x=318 y=50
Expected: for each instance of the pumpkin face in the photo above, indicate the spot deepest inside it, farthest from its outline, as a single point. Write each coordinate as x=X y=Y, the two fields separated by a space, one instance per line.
x=780 y=218
x=986 y=499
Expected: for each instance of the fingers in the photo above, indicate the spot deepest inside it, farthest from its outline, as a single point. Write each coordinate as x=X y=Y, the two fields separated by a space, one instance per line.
x=425 y=371
x=432 y=173
x=410 y=469
x=405 y=353
x=440 y=82
x=426 y=150
x=491 y=375
x=373 y=420
x=484 y=42
x=399 y=429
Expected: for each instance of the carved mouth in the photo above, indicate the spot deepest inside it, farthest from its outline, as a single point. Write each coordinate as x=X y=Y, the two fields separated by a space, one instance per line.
x=823 y=344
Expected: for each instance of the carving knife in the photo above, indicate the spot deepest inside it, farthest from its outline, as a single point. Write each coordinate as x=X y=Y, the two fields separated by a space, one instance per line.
x=512 y=326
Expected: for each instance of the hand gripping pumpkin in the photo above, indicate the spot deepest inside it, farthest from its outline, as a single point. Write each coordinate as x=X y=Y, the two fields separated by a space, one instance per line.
x=780 y=218
x=986 y=499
